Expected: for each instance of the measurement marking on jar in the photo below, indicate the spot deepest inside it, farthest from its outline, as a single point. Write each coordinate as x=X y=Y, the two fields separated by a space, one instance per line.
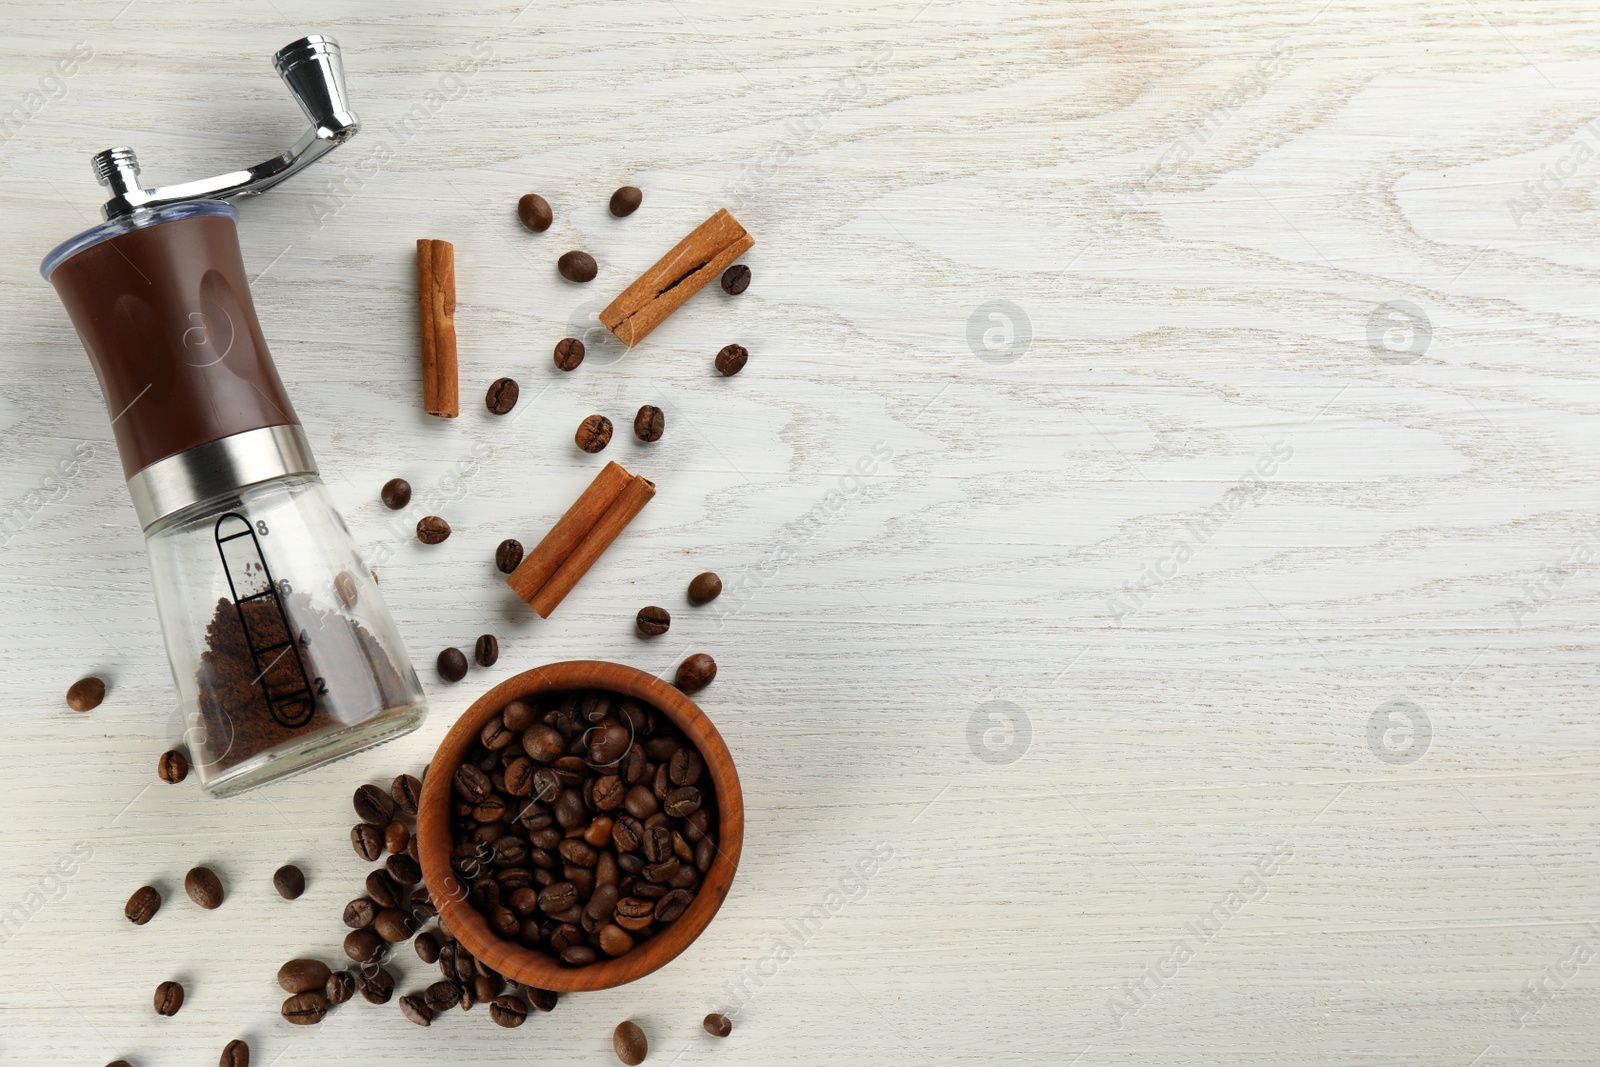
x=269 y=638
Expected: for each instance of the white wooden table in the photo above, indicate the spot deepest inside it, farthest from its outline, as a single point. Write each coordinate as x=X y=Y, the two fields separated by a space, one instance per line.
x=1163 y=762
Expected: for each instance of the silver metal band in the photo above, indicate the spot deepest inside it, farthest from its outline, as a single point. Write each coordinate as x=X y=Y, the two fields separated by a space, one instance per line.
x=222 y=466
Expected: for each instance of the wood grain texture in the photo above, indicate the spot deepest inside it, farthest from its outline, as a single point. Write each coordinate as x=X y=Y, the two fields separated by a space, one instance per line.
x=1153 y=412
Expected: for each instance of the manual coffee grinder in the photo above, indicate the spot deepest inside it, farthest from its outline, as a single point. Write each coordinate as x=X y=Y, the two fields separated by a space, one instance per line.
x=281 y=648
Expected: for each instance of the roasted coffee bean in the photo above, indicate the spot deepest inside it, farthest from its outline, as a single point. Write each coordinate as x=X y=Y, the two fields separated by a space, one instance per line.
x=373 y=805
x=415 y=1010
x=519 y=777
x=557 y=897
x=569 y=353
x=471 y=784
x=340 y=987
x=431 y=529
x=542 y=999
x=608 y=742
x=508 y=556
x=289 y=881
x=394 y=925
x=681 y=801
x=594 y=433
x=509 y=1012
x=705 y=588
x=575 y=850
x=364 y=946
x=494 y=734
x=396 y=836
x=305 y=1009
x=441 y=996
x=383 y=889
x=670 y=907
x=502 y=396
x=518 y=716
x=608 y=793
x=627 y=833
x=598 y=832
x=395 y=494
x=447 y=958
x=640 y=802
x=466 y=967
x=579 y=956
x=236 y=1054
x=302 y=976
x=452 y=664
x=662 y=872
x=143 y=905
x=632 y=913
x=427 y=946
x=543 y=744
x=169 y=998
x=523 y=901
x=627 y=1040
x=345 y=587
x=602 y=903
x=704 y=854
x=718 y=1025
x=546 y=784
x=487 y=650
x=421 y=902
x=503 y=922
x=403 y=869
x=367 y=840
x=626 y=201
x=685 y=767
x=649 y=423
x=203 y=887
x=696 y=672
x=657 y=843
x=406 y=792
x=662 y=749
x=736 y=279
x=173 y=767
x=653 y=621
x=614 y=940
x=534 y=211
x=376 y=985
x=731 y=360
x=577 y=266
x=86 y=694
x=360 y=913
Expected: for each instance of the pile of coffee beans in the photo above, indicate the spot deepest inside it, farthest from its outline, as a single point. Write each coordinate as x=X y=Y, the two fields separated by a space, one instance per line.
x=582 y=823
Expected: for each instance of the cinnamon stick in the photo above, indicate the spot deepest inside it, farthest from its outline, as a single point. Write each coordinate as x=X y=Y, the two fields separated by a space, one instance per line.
x=551 y=552
x=634 y=496
x=436 y=305
x=677 y=276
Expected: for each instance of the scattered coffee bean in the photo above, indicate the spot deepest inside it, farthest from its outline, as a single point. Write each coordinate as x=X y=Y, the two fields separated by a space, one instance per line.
x=704 y=588
x=406 y=792
x=373 y=805
x=577 y=267
x=289 y=881
x=396 y=837
x=345 y=587
x=653 y=621
x=340 y=987
x=413 y=1008
x=718 y=1025
x=403 y=869
x=441 y=996
x=736 y=279
x=542 y=999
x=383 y=889
x=367 y=840
x=86 y=694
x=364 y=946
x=303 y=976
x=731 y=360
x=502 y=396
x=119 y=1063
x=508 y=556
x=431 y=529
x=376 y=985
x=696 y=672
x=626 y=201
x=569 y=353
x=169 y=998
x=628 y=1041
x=173 y=767
x=236 y=1054
x=394 y=925
x=594 y=433
x=509 y=1012
x=649 y=424
x=395 y=494
x=143 y=905
x=360 y=913
x=534 y=211
x=487 y=650
x=305 y=1009
x=203 y=887
x=427 y=947
x=452 y=664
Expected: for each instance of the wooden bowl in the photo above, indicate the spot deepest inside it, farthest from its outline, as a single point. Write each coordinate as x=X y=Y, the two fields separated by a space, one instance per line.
x=534 y=967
